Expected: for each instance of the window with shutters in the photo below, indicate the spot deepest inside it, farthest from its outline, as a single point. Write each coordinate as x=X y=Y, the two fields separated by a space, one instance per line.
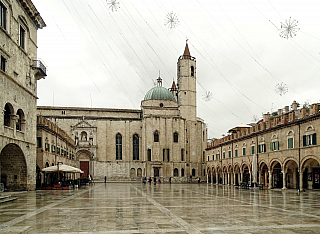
x=236 y=152
x=229 y=154
x=262 y=148
x=310 y=139
x=243 y=151
x=252 y=149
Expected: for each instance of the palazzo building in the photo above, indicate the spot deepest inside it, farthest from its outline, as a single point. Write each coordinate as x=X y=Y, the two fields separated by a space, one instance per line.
x=280 y=151
x=19 y=72
x=162 y=139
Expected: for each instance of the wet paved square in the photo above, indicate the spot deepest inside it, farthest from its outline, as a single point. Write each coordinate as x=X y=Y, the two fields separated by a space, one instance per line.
x=164 y=208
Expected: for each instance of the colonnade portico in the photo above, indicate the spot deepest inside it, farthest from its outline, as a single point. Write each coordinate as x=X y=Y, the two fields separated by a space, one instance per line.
x=285 y=175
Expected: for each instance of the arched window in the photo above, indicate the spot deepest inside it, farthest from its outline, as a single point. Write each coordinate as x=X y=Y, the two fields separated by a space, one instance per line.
x=192 y=70
x=175 y=172
x=20 y=120
x=182 y=172
x=118 y=147
x=8 y=111
x=83 y=136
x=175 y=137
x=135 y=140
x=193 y=172
x=156 y=136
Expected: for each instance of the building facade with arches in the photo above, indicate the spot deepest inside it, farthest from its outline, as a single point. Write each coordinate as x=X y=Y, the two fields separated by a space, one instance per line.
x=19 y=72
x=163 y=139
x=280 y=151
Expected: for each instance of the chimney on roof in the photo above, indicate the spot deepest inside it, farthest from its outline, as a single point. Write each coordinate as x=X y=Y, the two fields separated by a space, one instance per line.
x=286 y=109
x=294 y=105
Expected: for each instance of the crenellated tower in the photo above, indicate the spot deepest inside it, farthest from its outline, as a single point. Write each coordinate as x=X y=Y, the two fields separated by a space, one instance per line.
x=187 y=94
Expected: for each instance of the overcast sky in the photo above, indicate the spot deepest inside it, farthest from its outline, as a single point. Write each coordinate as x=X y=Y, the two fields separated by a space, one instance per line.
x=97 y=57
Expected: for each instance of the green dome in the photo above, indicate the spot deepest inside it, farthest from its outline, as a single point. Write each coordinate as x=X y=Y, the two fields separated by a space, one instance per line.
x=159 y=93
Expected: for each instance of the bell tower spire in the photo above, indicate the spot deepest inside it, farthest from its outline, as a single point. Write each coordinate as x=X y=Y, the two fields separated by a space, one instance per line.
x=187 y=94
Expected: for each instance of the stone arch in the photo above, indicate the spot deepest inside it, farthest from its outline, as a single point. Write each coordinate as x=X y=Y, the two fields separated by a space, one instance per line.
x=309 y=128
x=132 y=173
x=237 y=174
x=310 y=168
x=85 y=158
x=13 y=168
x=290 y=168
x=274 y=162
x=139 y=172
x=245 y=173
x=175 y=172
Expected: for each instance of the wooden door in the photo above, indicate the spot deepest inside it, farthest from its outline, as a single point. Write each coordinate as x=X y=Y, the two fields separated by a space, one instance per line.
x=84 y=166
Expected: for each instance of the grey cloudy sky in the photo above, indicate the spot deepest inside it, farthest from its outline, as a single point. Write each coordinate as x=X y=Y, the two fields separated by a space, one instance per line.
x=97 y=57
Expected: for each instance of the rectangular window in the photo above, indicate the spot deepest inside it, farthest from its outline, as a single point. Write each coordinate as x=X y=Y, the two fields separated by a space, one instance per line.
x=163 y=155
x=218 y=157
x=213 y=157
x=274 y=145
x=39 y=142
x=168 y=155
x=208 y=158
x=236 y=153
x=262 y=148
x=149 y=154
x=224 y=155
x=3 y=64
x=182 y=155
x=53 y=148
x=244 y=151
x=290 y=143
x=229 y=153
x=22 y=37
x=3 y=16
x=58 y=150
x=310 y=139
x=252 y=149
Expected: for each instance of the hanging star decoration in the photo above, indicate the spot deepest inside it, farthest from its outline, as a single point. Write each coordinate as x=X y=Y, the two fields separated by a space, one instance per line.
x=289 y=28
x=113 y=5
x=171 y=20
x=207 y=96
x=281 y=88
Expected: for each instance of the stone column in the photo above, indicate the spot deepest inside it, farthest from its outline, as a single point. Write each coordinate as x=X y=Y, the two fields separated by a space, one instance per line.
x=222 y=178
x=217 y=178
x=284 y=180
x=250 y=179
x=270 y=179
x=228 y=179
x=207 y=178
x=234 y=178
x=301 y=180
x=258 y=178
x=241 y=179
x=212 y=178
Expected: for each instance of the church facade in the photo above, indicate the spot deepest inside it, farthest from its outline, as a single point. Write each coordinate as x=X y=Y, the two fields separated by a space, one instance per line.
x=163 y=139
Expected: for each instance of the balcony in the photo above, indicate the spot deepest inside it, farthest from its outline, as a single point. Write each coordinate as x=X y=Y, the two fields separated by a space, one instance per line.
x=41 y=69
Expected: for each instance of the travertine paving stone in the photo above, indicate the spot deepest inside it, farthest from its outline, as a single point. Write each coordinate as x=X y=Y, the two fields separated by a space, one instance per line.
x=164 y=208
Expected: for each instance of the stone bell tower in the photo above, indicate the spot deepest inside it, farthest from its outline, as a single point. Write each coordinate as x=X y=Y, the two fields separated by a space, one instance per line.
x=187 y=94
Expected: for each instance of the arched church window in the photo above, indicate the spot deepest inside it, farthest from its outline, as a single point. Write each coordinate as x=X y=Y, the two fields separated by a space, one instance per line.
x=156 y=136
x=175 y=172
x=118 y=147
x=193 y=172
x=135 y=147
x=182 y=172
x=175 y=137
x=192 y=70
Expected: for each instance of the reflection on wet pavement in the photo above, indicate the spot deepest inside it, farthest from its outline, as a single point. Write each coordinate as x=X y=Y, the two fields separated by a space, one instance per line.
x=164 y=208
